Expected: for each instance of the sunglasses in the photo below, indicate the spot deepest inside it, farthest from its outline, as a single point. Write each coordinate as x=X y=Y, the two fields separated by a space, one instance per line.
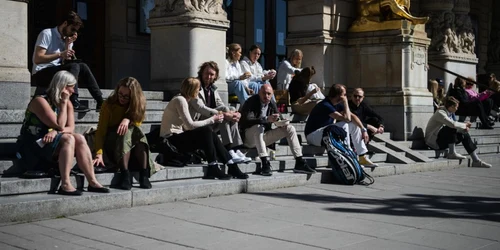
x=358 y=96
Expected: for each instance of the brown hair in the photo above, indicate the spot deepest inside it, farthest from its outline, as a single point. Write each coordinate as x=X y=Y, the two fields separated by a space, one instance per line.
x=230 y=49
x=303 y=78
x=72 y=18
x=450 y=101
x=459 y=82
x=190 y=87
x=205 y=65
x=137 y=105
x=336 y=90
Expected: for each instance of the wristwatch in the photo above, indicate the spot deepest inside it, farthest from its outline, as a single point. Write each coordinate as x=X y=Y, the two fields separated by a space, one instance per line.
x=364 y=130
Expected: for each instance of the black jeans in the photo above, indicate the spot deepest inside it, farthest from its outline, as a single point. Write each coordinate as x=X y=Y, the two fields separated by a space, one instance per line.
x=477 y=108
x=449 y=135
x=81 y=72
x=203 y=138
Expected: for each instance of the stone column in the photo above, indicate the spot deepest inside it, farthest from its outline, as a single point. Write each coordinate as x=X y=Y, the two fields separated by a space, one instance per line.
x=309 y=29
x=14 y=74
x=453 y=40
x=184 y=34
x=493 y=64
x=391 y=66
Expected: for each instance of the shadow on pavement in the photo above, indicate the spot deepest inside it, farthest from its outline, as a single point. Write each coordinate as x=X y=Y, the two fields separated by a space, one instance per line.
x=416 y=205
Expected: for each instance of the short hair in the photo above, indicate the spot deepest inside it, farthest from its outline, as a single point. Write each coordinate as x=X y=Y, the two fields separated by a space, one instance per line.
x=254 y=47
x=450 y=101
x=190 y=87
x=230 y=49
x=205 y=65
x=72 y=18
x=336 y=90
x=61 y=80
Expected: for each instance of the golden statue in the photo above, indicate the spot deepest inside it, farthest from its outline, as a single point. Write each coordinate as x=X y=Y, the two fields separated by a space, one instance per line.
x=383 y=14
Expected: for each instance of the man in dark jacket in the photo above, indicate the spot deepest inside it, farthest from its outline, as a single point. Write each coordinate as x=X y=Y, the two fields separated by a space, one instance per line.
x=371 y=120
x=257 y=115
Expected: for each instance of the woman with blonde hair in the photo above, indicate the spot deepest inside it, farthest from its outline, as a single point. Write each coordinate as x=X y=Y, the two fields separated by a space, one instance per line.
x=437 y=93
x=48 y=137
x=119 y=133
x=238 y=81
x=187 y=135
x=288 y=69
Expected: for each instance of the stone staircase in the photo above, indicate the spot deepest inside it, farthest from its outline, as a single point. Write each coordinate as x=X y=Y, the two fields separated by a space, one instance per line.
x=28 y=199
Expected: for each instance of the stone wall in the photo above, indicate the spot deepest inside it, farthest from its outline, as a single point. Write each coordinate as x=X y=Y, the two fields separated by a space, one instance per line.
x=127 y=51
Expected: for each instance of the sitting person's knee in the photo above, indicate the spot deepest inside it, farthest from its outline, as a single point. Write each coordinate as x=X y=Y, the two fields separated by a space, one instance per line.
x=67 y=139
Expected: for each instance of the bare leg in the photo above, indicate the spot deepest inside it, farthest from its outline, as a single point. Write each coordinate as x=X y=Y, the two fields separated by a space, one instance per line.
x=66 y=153
x=84 y=160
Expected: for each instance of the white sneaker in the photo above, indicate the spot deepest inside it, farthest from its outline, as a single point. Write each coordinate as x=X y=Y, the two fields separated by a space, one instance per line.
x=235 y=157
x=241 y=155
x=480 y=164
x=456 y=156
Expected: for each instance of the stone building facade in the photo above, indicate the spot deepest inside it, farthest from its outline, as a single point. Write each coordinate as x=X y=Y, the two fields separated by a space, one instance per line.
x=392 y=65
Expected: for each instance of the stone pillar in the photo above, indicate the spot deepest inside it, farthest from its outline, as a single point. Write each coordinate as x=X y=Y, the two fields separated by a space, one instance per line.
x=309 y=29
x=184 y=34
x=493 y=64
x=391 y=66
x=453 y=40
x=14 y=74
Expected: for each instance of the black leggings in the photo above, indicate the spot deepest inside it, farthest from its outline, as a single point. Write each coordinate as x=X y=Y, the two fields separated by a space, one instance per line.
x=203 y=138
x=449 y=135
x=81 y=72
x=477 y=108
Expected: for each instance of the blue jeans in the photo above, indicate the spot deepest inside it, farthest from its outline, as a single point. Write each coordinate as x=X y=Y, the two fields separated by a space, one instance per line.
x=237 y=88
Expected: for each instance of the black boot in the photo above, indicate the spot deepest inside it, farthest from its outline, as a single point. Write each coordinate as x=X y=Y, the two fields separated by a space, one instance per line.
x=77 y=106
x=125 y=181
x=213 y=171
x=302 y=167
x=98 y=106
x=144 y=179
x=266 y=168
x=235 y=172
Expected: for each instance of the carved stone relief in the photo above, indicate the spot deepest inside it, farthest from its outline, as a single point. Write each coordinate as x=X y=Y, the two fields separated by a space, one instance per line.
x=178 y=7
x=451 y=33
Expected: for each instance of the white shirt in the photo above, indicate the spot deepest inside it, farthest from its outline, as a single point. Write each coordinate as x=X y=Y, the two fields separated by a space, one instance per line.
x=254 y=68
x=285 y=72
x=234 y=71
x=52 y=41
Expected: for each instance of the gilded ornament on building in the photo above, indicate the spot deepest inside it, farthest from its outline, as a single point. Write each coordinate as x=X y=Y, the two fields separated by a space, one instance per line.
x=383 y=15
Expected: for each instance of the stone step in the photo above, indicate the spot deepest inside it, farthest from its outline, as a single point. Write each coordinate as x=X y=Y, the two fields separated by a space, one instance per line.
x=151 y=105
x=17 y=116
x=482 y=149
x=85 y=94
x=41 y=206
x=17 y=186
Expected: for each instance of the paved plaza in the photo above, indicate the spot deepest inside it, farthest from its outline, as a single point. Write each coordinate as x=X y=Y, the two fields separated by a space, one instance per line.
x=451 y=209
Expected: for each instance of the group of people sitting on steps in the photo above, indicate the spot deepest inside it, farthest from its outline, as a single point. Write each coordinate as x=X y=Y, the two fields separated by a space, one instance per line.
x=192 y=120
x=444 y=129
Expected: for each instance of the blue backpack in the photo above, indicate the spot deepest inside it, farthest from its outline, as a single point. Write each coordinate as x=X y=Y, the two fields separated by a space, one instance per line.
x=343 y=161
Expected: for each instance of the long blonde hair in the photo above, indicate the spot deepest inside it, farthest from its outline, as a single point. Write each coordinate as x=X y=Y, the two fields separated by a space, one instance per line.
x=61 y=80
x=136 y=110
x=230 y=49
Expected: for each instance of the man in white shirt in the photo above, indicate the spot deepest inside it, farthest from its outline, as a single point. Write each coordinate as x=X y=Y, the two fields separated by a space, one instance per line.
x=53 y=52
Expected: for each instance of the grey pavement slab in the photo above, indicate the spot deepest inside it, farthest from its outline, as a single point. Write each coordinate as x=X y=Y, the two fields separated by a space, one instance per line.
x=450 y=209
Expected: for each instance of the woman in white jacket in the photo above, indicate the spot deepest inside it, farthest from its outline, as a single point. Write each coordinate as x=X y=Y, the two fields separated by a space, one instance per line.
x=287 y=69
x=443 y=132
x=237 y=79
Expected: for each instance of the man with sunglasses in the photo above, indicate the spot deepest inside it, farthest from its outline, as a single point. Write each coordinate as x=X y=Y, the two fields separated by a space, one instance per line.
x=370 y=119
x=53 y=52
